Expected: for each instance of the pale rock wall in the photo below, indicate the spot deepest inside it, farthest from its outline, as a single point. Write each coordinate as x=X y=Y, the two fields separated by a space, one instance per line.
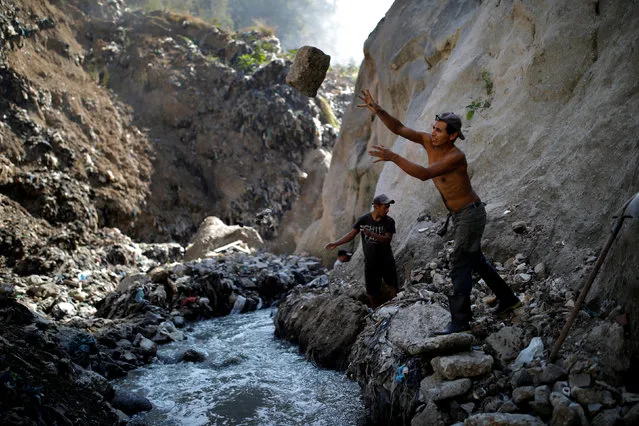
x=308 y=207
x=556 y=148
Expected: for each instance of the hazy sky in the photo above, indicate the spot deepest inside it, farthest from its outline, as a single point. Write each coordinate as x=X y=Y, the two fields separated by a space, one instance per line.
x=354 y=22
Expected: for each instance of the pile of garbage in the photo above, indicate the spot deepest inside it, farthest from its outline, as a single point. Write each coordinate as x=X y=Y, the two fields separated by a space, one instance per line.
x=39 y=381
x=98 y=304
x=500 y=374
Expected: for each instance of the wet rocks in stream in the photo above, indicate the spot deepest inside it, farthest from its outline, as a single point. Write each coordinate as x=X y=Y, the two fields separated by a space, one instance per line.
x=103 y=309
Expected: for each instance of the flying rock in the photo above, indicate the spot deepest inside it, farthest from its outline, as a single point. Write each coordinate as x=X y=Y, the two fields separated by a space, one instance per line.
x=308 y=70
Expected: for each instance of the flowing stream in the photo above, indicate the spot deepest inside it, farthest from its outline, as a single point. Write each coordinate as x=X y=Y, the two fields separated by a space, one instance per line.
x=248 y=378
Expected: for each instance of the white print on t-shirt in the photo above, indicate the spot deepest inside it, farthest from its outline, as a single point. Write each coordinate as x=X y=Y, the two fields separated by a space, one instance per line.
x=375 y=229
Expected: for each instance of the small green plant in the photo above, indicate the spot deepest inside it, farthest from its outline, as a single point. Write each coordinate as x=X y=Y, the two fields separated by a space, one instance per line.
x=250 y=61
x=185 y=39
x=476 y=107
x=479 y=105
x=290 y=54
x=99 y=74
x=213 y=58
x=104 y=78
x=267 y=47
x=487 y=78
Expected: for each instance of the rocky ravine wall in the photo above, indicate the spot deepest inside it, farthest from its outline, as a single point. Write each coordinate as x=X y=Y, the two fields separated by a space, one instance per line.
x=556 y=148
x=151 y=122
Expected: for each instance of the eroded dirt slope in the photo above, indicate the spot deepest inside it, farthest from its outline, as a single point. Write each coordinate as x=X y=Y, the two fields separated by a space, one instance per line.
x=151 y=122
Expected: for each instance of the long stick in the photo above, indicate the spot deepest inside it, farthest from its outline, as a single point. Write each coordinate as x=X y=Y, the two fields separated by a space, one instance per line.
x=586 y=289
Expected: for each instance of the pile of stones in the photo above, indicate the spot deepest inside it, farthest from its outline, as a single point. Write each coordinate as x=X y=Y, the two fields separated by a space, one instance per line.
x=500 y=374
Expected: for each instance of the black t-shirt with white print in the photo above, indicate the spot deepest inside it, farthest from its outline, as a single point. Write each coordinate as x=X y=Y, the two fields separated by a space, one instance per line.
x=374 y=250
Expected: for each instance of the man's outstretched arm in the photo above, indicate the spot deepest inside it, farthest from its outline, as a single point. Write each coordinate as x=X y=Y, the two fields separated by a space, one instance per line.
x=447 y=164
x=393 y=124
x=346 y=238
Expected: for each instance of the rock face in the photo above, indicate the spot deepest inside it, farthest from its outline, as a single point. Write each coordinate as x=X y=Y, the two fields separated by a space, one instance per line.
x=230 y=137
x=310 y=322
x=543 y=81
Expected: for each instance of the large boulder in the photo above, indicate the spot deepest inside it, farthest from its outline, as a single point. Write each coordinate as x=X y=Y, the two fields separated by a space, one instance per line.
x=325 y=327
x=214 y=234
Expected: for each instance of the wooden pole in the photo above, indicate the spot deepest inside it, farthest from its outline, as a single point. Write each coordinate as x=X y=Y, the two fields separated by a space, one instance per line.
x=586 y=288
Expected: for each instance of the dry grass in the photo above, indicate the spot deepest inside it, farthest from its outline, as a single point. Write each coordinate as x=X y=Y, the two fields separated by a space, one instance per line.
x=179 y=18
x=263 y=28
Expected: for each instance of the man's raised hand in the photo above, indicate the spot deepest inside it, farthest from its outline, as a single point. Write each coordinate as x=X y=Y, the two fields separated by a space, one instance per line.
x=382 y=153
x=369 y=102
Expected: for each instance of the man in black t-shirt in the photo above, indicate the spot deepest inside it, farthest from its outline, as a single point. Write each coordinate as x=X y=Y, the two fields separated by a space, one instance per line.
x=377 y=230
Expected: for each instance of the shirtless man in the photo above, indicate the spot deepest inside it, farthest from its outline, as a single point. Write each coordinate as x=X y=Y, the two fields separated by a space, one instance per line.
x=448 y=170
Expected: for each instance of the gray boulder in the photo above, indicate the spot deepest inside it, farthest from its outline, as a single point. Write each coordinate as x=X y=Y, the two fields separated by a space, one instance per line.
x=214 y=234
x=308 y=70
x=130 y=403
x=324 y=327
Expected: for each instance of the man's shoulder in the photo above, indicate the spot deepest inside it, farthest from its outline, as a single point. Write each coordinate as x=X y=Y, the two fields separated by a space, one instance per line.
x=365 y=216
x=456 y=152
x=361 y=220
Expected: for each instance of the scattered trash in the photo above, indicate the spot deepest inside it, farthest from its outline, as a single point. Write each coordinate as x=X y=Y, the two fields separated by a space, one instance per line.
x=402 y=371
x=534 y=349
x=139 y=296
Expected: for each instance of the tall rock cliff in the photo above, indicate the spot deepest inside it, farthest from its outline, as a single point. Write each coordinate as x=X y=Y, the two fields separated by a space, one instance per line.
x=551 y=143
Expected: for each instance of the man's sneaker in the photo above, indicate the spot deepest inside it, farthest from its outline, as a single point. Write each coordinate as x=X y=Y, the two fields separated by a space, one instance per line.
x=504 y=308
x=454 y=328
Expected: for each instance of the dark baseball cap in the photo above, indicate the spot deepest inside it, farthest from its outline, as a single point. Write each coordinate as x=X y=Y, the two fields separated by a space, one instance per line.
x=453 y=121
x=344 y=253
x=383 y=199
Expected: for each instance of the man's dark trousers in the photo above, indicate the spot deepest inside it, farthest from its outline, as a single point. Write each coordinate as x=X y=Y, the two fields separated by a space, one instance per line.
x=469 y=223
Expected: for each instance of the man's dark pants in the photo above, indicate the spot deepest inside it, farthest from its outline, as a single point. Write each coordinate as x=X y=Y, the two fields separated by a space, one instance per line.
x=467 y=257
x=376 y=270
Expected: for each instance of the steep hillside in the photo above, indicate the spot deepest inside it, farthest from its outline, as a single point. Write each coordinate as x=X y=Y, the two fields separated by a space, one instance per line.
x=70 y=152
x=230 y=138
x=152 y=122
x=554 y=147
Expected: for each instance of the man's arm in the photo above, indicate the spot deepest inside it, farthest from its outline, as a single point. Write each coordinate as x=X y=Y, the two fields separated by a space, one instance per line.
x=393 y=124
x=447 y=164
x=346 y=238
x=384 y=239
